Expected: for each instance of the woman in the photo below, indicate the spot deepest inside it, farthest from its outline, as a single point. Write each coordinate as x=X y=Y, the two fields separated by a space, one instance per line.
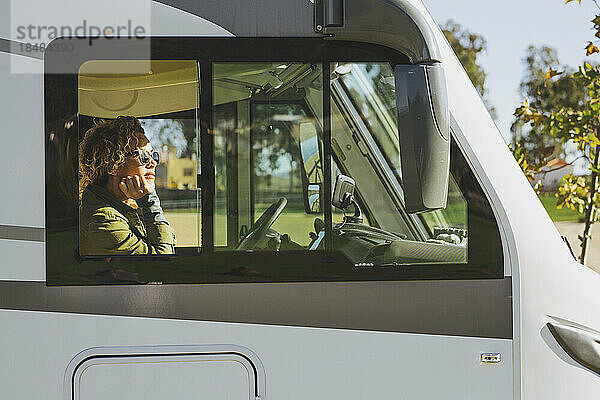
x=120 y=211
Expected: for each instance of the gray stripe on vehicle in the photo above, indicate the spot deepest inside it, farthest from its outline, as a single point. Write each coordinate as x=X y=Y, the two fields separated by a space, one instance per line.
x=474 y=308
x=14 y=47
x=22 y=233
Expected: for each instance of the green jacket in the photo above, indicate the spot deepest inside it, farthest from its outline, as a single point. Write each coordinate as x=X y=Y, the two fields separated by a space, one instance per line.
x=109 y=227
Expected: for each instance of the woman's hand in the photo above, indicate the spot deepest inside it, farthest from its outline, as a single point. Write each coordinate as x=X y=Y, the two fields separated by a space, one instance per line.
x=136 y=186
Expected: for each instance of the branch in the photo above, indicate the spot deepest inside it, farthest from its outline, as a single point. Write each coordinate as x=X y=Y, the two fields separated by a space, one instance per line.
x=562 y=166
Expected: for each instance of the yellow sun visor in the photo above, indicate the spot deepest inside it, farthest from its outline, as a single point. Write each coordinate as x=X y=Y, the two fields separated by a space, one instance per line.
x=139 y=88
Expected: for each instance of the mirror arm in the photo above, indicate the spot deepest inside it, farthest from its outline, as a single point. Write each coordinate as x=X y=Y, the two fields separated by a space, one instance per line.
x=357 y=218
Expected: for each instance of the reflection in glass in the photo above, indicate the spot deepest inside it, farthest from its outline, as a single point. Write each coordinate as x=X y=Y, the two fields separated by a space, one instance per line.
x=163 y=97
x=367 y=90
x=175 y=139
x=278 y=166
x=266 y=121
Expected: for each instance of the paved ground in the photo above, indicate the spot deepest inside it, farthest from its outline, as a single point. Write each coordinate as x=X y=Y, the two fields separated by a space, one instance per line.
x=571 y=230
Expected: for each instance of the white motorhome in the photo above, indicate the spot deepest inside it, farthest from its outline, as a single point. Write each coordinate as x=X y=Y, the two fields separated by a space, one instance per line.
x=349 y=222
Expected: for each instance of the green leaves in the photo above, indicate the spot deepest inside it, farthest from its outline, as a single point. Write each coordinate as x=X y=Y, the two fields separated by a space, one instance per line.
x=596 y=22
x=520 y=154
x=580 y=124
x=573 y=193
x=590 y=48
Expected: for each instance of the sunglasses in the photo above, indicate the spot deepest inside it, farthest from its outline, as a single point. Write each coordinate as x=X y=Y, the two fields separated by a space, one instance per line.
x=145 y=157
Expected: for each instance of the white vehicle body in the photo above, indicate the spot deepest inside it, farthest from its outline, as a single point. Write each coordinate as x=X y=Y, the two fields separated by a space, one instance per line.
x=154 y=347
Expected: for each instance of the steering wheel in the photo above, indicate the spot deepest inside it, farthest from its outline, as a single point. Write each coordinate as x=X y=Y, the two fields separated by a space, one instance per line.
x=262 y=225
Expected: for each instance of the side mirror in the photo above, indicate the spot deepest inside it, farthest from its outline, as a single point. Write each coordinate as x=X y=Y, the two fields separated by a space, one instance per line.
x=343 y=192
x=312 y=169
x=313 y=197
x=343 y=197
x=424 y=133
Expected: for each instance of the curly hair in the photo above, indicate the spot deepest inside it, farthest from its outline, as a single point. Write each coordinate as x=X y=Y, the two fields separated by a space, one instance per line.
x=104 y=147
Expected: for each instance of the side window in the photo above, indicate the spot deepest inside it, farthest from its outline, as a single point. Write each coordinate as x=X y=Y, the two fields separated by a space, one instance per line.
x=286 y=170
x=266 y=122
x=370 y=90
x=365 y=145
x=262 y=113
x=138 y=157
x=269 y=182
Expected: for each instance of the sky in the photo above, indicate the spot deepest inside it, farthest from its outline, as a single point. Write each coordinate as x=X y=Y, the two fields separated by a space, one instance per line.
x=509 y=27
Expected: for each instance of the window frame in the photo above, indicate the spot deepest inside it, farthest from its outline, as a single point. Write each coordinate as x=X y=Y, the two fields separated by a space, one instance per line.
x=484 y=263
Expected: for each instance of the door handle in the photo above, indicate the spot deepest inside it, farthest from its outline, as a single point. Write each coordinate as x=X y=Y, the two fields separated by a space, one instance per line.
x=580 y=344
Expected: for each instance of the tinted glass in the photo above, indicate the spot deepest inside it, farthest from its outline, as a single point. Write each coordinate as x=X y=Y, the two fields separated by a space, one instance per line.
x=364 y=94
x=176 y=140
x=265 y=119
x=132 y=204
x=265 y=135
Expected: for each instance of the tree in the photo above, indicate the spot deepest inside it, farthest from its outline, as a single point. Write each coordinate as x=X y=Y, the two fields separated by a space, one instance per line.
x=545 y=95
x=579 y=123
x=168 y=132
x=468 y=46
